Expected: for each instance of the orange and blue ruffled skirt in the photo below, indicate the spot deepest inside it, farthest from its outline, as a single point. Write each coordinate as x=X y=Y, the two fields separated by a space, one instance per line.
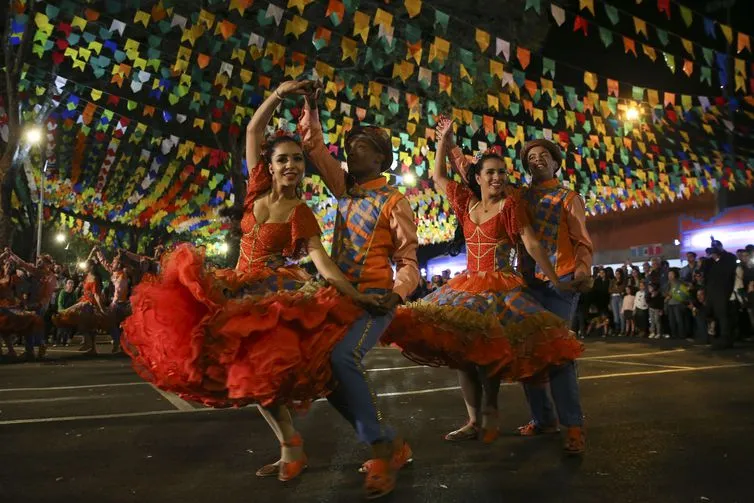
x=228 y=338
x=15 y=320
x=485 y=319
x=83 y=316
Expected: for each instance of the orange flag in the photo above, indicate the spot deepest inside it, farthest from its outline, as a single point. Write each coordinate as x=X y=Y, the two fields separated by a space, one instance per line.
x=524 y=56
x=629 y=45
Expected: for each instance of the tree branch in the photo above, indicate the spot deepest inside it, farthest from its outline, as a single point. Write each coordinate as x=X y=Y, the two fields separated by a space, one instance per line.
x=28 y=30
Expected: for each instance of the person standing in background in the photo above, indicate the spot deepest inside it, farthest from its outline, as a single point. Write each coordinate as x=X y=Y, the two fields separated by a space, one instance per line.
x=719 y=281
x=641 y=310
x=678 y=298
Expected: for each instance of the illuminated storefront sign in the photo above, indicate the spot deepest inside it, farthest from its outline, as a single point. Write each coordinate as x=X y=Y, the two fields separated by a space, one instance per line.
x=734 y=228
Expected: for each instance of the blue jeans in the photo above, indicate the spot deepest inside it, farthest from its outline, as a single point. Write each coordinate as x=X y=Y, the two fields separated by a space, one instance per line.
x=36 y=336
x=352 y=397
x=616 y=302
x=678 y=317
x=564 y=384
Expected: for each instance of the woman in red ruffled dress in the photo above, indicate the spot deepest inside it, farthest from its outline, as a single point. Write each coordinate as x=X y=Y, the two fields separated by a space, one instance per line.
x=261 y=332
x=14 y=318
x=481 y=322
x=88 y=315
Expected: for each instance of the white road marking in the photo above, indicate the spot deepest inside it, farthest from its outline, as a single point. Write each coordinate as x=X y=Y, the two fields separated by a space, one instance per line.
x=178 y=402
x=668 y=371
x=55 y=399
x=401 y=368
x=54 y=388
x=638 y=364
x=386 y=395
x=631 y=355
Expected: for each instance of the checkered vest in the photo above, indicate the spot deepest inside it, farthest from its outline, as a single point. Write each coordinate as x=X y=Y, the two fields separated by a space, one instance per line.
x=356 y=221
x=547 y=207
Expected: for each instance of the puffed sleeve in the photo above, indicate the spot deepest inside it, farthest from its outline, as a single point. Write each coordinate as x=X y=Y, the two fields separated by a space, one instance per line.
x=459 y=197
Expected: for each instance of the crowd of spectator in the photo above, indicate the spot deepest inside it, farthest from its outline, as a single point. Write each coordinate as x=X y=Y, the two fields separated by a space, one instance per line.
x=709 y=300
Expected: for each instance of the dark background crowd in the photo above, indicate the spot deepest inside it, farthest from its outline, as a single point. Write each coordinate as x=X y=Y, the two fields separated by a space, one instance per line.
x=710 y=300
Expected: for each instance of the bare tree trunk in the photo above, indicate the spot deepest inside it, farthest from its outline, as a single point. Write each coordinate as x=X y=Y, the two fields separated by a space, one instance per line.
x=5 y=203
x=239 y=194
x=13 y=59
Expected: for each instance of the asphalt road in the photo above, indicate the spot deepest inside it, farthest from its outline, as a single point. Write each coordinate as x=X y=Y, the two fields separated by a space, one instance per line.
x=666 y=423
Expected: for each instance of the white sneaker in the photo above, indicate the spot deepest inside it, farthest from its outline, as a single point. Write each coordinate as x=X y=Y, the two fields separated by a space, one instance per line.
x=666 y=336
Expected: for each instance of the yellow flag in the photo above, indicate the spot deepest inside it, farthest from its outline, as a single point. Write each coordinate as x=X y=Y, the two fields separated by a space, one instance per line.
x=296 y=26
x=361 y=25
x=688 y=46
x=496 y=69
x=727 y=32
x=649 y=52
x=413 y=7
x=653 y=97
x=482 y=39
x=587 y=4
x=350 y=49
x=142 y=17
x=79 y=23
x=640 y=26
x=590 y=79
x=493 y=103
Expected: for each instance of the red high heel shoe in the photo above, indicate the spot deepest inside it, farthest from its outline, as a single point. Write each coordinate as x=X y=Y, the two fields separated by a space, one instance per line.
x=289 y=470
x=490 y=433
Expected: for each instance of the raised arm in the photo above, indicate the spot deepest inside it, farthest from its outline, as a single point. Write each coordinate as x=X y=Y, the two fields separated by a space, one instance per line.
x=263 y=115
x=27 y=266
x=103 y=260
x=444 y=137
x=313 y=140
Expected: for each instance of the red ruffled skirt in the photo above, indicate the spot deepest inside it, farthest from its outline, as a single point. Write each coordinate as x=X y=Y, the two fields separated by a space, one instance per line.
x=14 y=320
x=227 y=338
x=83 y=316
x=483 y=319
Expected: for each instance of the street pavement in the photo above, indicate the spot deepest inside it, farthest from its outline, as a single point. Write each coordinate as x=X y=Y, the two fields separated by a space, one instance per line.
x=666 y=422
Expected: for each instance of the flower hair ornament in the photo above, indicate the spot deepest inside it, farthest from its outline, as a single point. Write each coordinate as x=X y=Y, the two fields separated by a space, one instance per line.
x=495 y=150
x=272 y=139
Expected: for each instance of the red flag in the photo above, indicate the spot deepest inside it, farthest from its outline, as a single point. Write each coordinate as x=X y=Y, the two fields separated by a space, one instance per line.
x=664 y=6
x=580 y=24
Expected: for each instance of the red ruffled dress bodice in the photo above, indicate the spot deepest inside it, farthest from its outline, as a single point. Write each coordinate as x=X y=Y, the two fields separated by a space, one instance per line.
x=483 y=316
x=261 y=332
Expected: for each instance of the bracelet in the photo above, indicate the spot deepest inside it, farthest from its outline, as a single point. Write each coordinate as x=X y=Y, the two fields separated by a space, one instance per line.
x=277 y=95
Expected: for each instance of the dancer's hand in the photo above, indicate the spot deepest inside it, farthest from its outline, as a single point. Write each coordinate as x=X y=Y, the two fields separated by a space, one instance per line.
x=444 y=128
x=390 y=301
x=300 y=87
x=370 y=302
x=582 y=284
x=312 y=97
x=567 y=286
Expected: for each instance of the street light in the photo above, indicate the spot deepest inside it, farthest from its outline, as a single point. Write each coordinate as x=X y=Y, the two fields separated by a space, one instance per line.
x=60 y=237
x=632 y=113
x=82 y=265
x=223 y=248
x=34 y=136
x=409 y=179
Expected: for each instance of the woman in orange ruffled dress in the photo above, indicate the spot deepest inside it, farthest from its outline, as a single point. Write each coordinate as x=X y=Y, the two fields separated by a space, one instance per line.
x=14 y=318
x=261 y=332
x=88 y=315
x=481 y=322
